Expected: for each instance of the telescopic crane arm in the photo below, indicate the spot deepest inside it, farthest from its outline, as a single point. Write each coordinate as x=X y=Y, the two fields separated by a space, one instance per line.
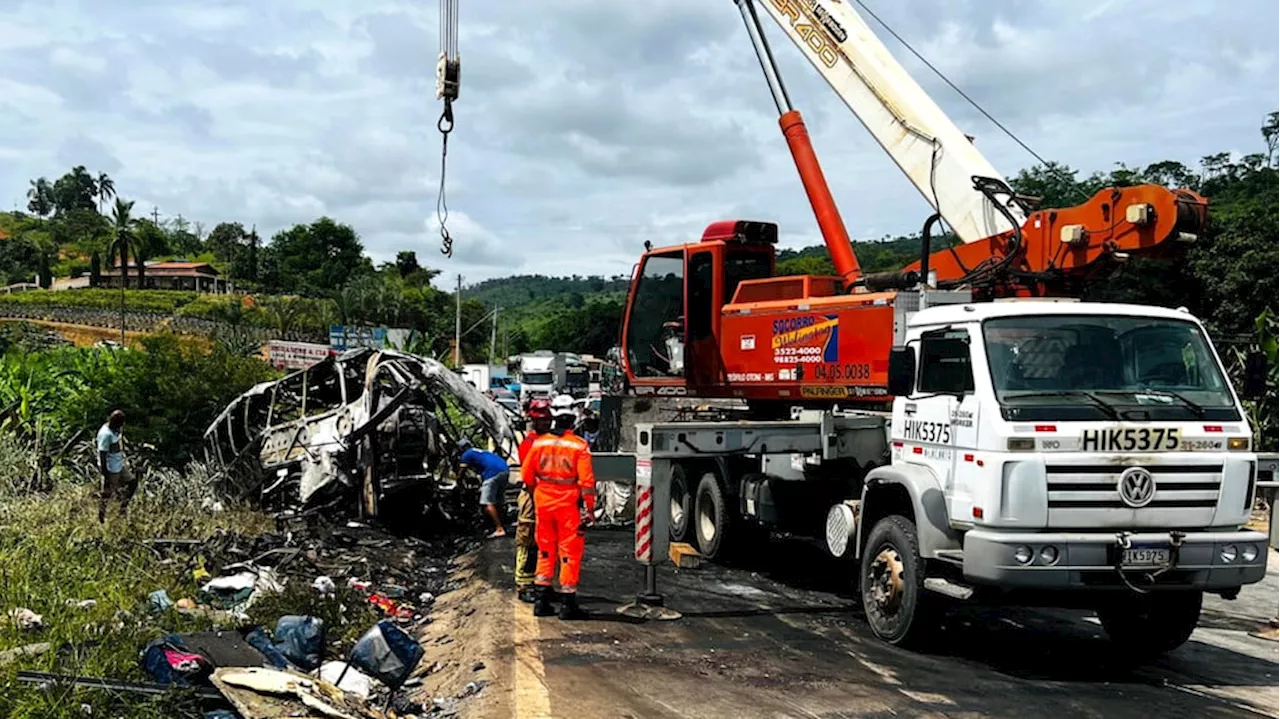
x=1008 y=249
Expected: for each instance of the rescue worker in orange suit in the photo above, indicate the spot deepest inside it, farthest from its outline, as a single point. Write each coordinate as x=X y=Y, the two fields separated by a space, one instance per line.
x=558 y=470
x=539 y=414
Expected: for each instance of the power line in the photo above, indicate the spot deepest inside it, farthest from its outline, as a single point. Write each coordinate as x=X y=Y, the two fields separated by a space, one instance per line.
x=953 y=86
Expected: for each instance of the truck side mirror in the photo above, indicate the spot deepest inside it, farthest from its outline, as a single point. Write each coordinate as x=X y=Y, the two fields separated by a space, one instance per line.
x=1255 y=375
x=902 y=371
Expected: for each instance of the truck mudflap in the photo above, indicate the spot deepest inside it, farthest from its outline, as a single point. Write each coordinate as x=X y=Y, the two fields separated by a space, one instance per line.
x=1134 y=561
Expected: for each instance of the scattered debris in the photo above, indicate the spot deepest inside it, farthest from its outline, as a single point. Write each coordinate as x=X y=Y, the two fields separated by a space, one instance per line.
x=324 y=585
x=347 y=678
x=472 y=688
x=159 y=601
x=300 y=640
x=49 y=681
x=26 y=650
x=387 y=654
x=237 y=592
x=82 y=603
x=26 y=620
x=316 y=695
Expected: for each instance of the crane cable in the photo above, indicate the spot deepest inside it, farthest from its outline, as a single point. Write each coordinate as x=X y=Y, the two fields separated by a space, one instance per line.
x=448 y=69
x=952 y=85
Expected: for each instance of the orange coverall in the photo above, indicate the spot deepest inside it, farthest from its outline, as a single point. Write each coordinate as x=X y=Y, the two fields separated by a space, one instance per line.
x=558 y=471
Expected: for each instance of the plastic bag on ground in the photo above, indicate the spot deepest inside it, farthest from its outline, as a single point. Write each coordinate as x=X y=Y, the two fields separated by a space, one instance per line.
x=387 y=654
x=301 y=640
x=260 y=640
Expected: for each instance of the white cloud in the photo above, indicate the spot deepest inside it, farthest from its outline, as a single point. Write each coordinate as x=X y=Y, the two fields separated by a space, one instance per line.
x=584 y=127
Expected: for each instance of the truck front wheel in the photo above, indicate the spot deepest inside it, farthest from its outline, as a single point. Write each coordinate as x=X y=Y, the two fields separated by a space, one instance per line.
x=1151 y=624
x=892 y=583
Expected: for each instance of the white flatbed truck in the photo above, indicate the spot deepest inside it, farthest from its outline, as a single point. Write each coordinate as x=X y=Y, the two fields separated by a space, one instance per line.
x=1061 y=453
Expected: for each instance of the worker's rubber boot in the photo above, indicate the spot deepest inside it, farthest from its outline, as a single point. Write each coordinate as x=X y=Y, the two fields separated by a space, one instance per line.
x=570 y=610
x=543 y=607
x=528 y=595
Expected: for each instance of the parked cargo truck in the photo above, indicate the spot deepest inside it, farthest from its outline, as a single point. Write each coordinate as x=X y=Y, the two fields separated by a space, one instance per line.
x=1008 y=470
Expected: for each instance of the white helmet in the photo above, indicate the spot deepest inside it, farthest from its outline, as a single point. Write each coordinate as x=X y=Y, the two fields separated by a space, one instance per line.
x=562 y=405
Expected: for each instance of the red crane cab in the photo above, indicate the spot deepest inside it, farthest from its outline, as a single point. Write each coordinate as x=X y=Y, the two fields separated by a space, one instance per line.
x=710 y=319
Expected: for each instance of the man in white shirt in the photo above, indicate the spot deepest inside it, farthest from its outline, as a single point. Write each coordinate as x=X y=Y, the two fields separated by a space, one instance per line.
x=116 y=477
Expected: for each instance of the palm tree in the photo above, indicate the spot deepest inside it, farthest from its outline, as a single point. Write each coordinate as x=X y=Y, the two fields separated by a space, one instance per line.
x=123 y=225
x=40 y=197
x=106 y=189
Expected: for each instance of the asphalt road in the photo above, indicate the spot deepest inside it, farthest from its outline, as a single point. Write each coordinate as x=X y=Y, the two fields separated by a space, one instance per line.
x=786 y=638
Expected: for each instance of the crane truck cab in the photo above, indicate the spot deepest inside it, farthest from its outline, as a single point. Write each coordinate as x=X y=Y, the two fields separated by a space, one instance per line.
x=1061 y=452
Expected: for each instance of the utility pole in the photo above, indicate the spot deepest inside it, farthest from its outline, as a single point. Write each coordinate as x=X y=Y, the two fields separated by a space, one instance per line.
x=155 y=215
x=493 y=335
x=457 y=327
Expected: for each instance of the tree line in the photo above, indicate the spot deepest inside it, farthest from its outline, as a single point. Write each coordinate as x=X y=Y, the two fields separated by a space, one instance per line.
x=312 y=275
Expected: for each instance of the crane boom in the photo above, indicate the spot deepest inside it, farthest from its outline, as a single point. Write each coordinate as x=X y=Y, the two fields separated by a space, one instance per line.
x=933 y=153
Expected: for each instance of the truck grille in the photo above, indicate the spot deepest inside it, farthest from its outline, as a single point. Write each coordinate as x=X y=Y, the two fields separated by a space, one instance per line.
x=1087 y=495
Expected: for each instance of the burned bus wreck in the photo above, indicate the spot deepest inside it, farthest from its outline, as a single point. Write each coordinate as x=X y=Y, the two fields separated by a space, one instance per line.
x=373 y=429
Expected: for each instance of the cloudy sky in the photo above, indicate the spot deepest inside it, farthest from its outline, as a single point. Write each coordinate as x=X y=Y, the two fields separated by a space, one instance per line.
x=584 y=126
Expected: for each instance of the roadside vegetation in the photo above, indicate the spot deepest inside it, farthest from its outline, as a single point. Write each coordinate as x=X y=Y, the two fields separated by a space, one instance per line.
x=169 y=387
x=54 y=554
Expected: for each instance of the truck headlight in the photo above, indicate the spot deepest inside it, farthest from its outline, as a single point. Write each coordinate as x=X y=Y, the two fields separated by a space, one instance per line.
x=1249 y=553
x=1049 y=554
x=1023 y=554
x=1229 y=553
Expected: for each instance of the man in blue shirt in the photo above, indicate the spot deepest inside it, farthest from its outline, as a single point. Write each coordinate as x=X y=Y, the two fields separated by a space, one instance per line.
x=115 y=476
x=494 y=472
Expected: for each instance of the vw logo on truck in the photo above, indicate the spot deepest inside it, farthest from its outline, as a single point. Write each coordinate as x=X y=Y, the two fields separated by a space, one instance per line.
x=1137 y=487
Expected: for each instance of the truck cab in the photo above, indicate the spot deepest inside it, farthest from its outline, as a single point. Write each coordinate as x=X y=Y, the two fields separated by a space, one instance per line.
x=1060 y=446
x=537 y=376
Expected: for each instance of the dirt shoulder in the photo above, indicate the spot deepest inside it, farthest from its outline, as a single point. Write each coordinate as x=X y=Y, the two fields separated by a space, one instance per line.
x=468 y=663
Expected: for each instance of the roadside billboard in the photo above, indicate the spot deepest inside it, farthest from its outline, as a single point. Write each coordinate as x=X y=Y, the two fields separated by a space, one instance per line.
x=295 y=355
x=344 y=337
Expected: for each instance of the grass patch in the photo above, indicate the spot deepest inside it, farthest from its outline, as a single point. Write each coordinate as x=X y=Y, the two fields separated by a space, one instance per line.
x=54 y=553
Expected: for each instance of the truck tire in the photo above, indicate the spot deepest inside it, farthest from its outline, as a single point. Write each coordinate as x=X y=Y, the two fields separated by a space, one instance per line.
x=1151 y=624
x=898 y=608
x=711 y=518
x=681 y=510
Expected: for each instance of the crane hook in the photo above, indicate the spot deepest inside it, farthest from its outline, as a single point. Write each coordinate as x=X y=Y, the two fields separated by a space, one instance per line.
x=445 y=126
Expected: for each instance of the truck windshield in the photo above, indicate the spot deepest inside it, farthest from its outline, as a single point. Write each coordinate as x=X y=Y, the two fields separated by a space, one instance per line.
x=576 y=379
x=536 y=378
x=1091 y=367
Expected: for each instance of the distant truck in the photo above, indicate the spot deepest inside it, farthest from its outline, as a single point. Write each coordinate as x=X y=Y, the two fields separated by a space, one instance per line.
x=545 y=373
x=537 y=375
x=485 y=377
x=572 y=375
